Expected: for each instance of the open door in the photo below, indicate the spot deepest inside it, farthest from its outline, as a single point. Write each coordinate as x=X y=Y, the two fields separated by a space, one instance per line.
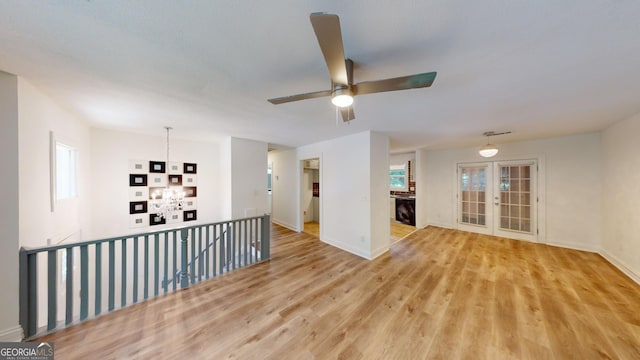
x=311 y=196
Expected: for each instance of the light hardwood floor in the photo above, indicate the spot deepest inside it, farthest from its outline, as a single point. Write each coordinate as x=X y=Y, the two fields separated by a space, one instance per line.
x=438 y=294
x=400 y=230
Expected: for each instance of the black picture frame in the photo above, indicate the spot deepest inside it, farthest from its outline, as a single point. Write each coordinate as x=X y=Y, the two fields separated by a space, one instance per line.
x=154 y=219
x=190 y=215
x=190 y=191
x=157 y=167
x=137 y=207
x=175 y=180
x=190 y=168
x=137 y=179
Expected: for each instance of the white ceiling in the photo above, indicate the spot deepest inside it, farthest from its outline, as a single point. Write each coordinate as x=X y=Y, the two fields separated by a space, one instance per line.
x=537 y=68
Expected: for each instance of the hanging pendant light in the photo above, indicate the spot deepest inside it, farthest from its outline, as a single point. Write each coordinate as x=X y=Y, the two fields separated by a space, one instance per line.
x=172 y=197
x=490 y=150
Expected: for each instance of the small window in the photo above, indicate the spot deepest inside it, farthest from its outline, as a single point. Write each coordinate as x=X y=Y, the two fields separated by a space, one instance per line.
x=398 y=177
x=66 y=172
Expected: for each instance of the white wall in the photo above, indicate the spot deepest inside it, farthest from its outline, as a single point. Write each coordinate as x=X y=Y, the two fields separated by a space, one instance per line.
x=422 y=200
x=111 y=152
x=38 y=116
x=284 y=208
x=9 y=227
x=403 y=158
x=248 y=178
x=621 y=196
x=354 y=193
x=379 y=178
x=570 y=176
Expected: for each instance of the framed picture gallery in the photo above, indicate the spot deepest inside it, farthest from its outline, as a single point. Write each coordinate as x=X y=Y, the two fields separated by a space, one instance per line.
x=147 y=177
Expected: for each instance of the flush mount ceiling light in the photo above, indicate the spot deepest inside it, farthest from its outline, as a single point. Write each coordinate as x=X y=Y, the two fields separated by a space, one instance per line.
x=490 y=150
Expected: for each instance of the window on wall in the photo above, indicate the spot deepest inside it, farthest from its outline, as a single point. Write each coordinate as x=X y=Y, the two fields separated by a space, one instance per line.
x=398 y=177
x=66 y=172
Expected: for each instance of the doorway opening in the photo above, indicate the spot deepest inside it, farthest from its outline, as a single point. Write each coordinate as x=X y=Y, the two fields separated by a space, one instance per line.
x=311 y=196
x=499 y=198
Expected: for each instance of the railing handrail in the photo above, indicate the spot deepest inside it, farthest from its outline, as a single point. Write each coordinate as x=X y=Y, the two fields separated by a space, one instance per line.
x=33 y=250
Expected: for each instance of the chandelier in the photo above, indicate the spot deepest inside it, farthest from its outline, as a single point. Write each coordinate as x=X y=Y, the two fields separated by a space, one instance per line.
x=172 y=197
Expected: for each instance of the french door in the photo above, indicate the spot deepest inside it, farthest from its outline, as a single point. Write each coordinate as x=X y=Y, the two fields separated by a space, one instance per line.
x=498 y=198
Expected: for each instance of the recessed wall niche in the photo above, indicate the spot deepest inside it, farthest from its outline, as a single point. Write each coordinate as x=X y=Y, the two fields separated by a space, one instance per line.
x=147 y=177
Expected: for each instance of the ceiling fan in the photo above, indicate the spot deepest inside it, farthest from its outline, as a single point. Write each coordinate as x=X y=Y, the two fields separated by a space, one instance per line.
x=327 y=29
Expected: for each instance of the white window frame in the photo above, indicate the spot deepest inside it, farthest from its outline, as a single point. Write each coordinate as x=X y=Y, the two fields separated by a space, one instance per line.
x=72 y=171
x=405 y=176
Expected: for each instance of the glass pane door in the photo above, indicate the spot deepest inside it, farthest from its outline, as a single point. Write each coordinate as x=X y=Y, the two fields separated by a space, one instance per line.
x=498 y=198
x=473 y=197
x=516 y=200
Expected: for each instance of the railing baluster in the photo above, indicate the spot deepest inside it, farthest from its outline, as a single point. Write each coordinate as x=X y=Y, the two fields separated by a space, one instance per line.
x=252 y=245
x=245 y=239
x=175 y=260
x=84 y=282
x=200 y=264
x=112 y=277
x=146 y=267
x=214 y=251
x=156 y=264
x=123 y=292
x=98 y=300
x=184 y=281
x=135 y=269
x=265 y=250
x=207 y=242
x=224 y=230
x=28 y=297
x=69 y=294
x=166 y=262
x=52 y=293
x=193 y=256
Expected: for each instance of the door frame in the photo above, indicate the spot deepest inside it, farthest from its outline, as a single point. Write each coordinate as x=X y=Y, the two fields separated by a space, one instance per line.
x=541 y=191
x=300 y=215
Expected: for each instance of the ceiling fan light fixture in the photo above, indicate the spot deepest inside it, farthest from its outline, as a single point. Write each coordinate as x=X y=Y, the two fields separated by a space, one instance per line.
x=488 y=151
x=342 y=97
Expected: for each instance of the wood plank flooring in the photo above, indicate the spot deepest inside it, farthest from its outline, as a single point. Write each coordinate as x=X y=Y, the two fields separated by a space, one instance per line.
x=400 y=230
x=438 y=294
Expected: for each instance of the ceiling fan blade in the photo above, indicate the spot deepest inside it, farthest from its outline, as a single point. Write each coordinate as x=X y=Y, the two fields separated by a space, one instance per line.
x=327 y=29
x=347 y=113
x=311 y=95
x=399 y=83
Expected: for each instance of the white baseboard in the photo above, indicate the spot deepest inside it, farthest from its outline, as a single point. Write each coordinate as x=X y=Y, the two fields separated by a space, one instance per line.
x=347 y=247
x=575 y=246
x=13 y=334
x=442 y=225
x=287 y=225
x=620 y=265
x=379 y=251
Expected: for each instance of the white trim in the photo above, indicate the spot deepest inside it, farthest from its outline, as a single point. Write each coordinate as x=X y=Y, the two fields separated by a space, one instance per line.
x=620 y=265
x=285 y=224
x=574 y=246
x=379 y=251
x=348 y=248
x=13 y=334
